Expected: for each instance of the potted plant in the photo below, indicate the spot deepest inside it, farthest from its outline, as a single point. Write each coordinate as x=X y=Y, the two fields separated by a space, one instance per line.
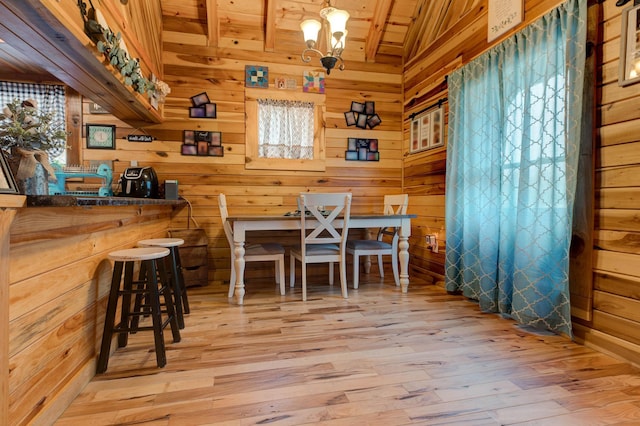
x=29 y=136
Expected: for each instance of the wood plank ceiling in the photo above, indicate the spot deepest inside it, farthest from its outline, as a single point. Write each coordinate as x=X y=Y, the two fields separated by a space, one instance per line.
x=390 y=31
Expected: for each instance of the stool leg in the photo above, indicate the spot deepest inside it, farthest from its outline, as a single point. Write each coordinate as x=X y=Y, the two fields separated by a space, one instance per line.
x=109 y=319
x=175 y=286
x=156 y=316
x=125 y=309
x=168 y=300
x=140 y=299
x=183 y=286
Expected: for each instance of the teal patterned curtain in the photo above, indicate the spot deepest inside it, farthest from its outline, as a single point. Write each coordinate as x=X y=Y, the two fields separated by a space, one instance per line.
x=512 y=157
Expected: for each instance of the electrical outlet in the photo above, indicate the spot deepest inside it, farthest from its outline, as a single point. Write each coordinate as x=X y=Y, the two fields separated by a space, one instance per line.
x=432 y=242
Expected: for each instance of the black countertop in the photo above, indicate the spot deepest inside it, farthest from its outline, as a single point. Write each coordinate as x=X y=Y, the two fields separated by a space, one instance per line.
x=75 y=201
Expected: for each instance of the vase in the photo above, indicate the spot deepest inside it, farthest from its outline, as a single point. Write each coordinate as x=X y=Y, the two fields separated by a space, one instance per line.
x=33 y=181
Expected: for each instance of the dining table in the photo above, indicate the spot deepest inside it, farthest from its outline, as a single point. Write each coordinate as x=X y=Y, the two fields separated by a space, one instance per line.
x=247 y=223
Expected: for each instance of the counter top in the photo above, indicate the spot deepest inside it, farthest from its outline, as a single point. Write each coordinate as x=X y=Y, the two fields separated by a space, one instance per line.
x=75 y=201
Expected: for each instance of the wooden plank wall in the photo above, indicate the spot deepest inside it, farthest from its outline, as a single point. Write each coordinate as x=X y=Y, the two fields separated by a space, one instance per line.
x=191 y=67
x=616 y=287
x=59 y=278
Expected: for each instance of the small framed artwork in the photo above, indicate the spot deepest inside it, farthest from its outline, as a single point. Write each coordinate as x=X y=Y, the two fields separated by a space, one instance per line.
x=436 y=129
x=189 y=137
x=629 y=65
x=361 y=121
x=373 y=145
x=203 y=148
x=216 y=151
x=256 y=76
x=95 y=108
x=210 y=110
x=197 y=112
x=373 y=120
x=189 y=149
x=7 y=182
x=216 y=139
x=369 y=108
x=200 y=99
x=203 y=136
x=357 y=107
x=352 y=144
x=313 y=82
x=350 y=118
x=351 y=155
x=101 y=136
x=427 y=130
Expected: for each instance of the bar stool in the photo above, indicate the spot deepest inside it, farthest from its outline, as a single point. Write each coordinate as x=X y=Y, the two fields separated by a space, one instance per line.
x=148 y=286
x=177 y=279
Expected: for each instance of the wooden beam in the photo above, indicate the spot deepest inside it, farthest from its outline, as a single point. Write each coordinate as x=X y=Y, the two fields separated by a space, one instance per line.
x=270 y=25
x=378 y=22
x=213 y=27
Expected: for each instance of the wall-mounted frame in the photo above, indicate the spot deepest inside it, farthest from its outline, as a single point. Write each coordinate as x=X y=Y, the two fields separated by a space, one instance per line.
x=629 y=65
x=362 y=150
x=503 y=15
x=200 y=99
x=202 y=143
x=101 y=136
x=426 y=130
x=7 y=182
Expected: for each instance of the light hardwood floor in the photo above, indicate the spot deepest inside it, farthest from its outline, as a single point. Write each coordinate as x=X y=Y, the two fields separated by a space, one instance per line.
x=379 y=358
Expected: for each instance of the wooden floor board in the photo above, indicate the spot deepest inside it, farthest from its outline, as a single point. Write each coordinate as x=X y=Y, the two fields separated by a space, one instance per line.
x=379 y=358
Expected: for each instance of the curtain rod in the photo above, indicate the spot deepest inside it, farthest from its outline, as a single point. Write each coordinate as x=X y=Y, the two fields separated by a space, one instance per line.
x=438 y=103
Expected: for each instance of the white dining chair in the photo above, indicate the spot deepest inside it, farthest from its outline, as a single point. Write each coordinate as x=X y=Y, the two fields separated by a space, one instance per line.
x=325 y=241
x=386 y=242
x=253 y=252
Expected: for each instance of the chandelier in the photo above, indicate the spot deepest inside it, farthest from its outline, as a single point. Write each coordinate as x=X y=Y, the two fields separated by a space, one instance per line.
x=336 y=30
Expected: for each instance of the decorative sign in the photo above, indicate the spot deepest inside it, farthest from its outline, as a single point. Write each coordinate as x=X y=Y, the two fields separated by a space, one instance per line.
x=256 y=76
x=313 y=82
x=503 y=16
x=139 y=138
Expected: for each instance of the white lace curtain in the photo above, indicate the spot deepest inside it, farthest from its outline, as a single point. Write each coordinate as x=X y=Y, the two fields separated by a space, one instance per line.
x=285 y=129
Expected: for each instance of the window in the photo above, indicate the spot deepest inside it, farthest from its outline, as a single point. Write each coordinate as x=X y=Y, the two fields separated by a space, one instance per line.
x=50 y=99
x=284 y=130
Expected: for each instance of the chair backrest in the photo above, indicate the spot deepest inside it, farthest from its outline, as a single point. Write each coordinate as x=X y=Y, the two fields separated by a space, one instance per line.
x=393 y=204
x=396 y=204
x=327 y=209
x=224 y=214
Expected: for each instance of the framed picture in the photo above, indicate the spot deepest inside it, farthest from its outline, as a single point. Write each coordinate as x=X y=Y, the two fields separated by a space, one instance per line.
x=189 y=137
x=216 y=151
x=102 y=136
x=629 y=65
x=200 y=99
x=373 y=120
x=216 y=139
x=369 y=108
x=350 y=118
x=189 y=149
x=361 y=121
x=7 y=182
x=203 y=148
x=357 y=107
x=362 y=150
x=210 y=110
x=197 y=112
x=203 y=136
x=256 y=76
x=427 y=130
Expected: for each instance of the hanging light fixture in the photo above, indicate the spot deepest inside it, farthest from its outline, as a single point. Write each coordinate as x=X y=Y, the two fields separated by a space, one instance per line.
x=336 y=30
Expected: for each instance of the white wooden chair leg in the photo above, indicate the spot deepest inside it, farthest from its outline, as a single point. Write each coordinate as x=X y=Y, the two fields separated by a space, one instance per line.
x=380 y=266
x=343 y=279
x=330 y=273
x=356 y=271
x=281 y=275
x=303 y=266
x=232 y=279
x=292 y=272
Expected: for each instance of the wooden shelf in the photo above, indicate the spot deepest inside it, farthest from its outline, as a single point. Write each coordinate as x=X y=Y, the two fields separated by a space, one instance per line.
x=12 y=201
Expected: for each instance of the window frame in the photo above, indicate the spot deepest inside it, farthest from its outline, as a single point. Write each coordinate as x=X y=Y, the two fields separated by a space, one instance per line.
x=252 y=159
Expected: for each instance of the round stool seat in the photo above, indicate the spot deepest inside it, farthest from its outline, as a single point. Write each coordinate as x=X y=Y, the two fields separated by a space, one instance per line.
x=139 y=253
x=161 y=242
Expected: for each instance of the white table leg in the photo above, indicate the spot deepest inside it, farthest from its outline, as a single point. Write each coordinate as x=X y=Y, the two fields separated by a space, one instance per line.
x=403 y=255
x=239 y=266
